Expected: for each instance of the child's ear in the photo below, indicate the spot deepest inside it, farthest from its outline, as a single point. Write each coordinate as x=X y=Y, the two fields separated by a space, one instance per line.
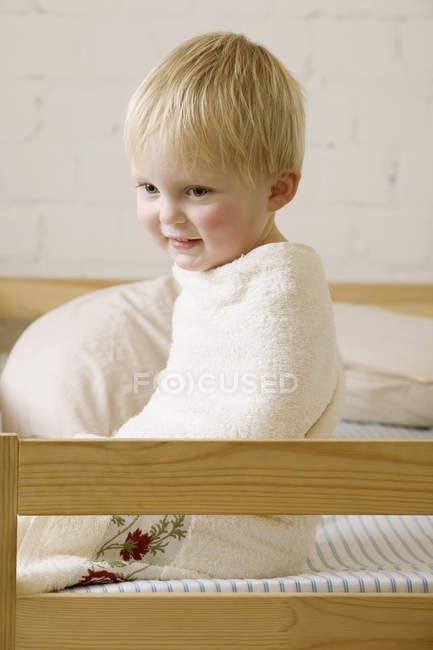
x=283 y=190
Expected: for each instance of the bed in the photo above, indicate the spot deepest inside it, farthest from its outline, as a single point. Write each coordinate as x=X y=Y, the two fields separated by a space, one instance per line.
x=376 y=480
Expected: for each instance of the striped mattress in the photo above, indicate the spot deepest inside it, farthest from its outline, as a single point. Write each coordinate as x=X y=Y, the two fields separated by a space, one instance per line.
x=352 y=553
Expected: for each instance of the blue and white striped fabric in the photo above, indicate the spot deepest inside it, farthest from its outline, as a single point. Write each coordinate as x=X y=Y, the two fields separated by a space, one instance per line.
x=352 y=553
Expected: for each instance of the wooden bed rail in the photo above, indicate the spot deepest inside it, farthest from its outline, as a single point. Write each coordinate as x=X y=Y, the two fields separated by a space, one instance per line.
x=220 y=477
x=79 y=477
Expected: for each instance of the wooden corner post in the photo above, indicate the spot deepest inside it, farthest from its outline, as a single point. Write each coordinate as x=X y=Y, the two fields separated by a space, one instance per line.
x=8 y=537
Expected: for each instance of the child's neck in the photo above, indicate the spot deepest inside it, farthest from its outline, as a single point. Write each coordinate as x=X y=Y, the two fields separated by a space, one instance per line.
x=274 y=236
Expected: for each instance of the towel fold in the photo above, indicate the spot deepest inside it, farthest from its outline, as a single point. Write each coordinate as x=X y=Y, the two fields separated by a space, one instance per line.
x=253 y=356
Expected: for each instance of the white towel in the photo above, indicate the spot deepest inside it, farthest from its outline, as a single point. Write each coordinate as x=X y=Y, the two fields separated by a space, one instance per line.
x=264 y=321
x=266 y=316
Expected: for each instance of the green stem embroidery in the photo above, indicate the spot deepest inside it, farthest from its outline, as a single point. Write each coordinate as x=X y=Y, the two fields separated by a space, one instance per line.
x=103 y=548
x=156 y=544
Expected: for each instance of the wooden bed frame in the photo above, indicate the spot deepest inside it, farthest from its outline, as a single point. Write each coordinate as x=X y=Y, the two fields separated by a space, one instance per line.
x=65 y=477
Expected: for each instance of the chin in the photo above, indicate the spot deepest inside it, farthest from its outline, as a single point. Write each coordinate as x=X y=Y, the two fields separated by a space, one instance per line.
x=183 y=261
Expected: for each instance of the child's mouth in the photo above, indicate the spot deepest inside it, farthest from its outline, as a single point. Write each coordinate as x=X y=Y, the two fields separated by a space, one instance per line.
x=182 y=245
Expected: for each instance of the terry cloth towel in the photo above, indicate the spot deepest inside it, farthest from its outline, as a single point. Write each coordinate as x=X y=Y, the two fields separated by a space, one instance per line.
x=253 y=352
x=253 y=355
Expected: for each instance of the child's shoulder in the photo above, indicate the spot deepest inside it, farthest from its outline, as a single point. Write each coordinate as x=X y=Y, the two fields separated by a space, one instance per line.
x=297 y=265
x=294 y=254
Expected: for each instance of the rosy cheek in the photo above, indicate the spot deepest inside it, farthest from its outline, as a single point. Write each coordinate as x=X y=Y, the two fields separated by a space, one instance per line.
x=218 y=221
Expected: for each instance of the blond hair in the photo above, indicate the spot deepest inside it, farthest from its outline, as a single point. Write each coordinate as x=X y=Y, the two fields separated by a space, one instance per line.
x=225 y=100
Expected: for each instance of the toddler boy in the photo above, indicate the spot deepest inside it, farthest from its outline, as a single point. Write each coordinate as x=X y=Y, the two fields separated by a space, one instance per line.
x=215 y=135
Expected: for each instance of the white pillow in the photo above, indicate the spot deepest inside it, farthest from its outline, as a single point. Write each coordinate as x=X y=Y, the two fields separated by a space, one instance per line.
x=388 y=365
x=72 y=369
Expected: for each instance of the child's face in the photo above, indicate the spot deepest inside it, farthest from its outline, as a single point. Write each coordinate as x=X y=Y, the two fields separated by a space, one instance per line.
x=226 y=217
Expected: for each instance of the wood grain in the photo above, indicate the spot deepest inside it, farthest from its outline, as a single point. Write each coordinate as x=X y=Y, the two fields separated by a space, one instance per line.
x=225 y=621
x=8 y=537
x=225 y=477
x=385 y=293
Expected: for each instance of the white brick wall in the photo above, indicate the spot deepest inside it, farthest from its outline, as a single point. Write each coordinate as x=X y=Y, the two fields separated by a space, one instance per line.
x=365 y=201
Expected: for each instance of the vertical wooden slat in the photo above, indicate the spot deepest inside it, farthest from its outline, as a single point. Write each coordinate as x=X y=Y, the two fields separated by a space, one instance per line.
x=8 y=537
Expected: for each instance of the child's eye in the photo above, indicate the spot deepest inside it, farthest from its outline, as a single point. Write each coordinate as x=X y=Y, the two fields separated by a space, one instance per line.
x=202 y=189
x=146 y=185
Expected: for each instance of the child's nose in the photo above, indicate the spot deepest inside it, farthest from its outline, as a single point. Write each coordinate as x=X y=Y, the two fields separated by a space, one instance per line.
x=171 y=213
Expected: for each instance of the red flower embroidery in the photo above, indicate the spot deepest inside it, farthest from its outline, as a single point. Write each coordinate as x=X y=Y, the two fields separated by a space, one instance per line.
x=97 y=578
x=136 y=545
